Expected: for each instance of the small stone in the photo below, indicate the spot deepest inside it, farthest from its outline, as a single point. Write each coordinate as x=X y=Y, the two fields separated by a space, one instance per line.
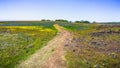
x=96 y=66
x=103 y=64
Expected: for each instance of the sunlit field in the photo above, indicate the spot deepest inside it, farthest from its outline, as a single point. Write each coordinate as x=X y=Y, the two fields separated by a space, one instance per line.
x=95 y=46
x=59 y=33
x=17 y=43
x=92 y=45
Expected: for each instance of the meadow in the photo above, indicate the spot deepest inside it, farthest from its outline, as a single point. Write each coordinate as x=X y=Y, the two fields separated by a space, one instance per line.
x=95 y=46
x=17 y=43
x=92 y=45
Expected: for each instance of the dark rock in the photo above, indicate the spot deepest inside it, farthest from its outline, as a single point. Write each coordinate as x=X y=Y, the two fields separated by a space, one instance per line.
x=94 y=43
x=66 y=45
x=74 y=50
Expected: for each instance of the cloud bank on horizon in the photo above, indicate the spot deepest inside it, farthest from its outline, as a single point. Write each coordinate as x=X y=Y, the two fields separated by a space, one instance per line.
x=92 y=10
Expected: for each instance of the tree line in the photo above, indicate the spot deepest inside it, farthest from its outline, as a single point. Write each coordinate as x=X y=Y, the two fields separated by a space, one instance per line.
x=62 y=20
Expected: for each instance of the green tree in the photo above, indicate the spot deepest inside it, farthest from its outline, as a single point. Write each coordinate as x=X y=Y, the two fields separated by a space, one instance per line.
x=82 y=21
x=61 y=20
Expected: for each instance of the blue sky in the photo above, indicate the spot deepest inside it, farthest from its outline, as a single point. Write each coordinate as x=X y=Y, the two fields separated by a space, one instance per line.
x=92 y=10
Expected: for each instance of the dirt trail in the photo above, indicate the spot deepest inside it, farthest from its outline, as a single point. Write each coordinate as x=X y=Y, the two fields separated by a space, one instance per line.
x=52 y=55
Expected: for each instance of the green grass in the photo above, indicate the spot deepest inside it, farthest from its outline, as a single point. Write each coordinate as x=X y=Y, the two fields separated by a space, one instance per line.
x=17 y=43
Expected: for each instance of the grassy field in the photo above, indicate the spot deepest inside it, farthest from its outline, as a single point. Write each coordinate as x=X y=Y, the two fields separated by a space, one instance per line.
x=92 y=45
x=95 y=46
x=18 y=42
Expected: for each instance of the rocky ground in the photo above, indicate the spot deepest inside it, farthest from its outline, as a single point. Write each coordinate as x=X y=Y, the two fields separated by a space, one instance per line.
x=98 y=48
